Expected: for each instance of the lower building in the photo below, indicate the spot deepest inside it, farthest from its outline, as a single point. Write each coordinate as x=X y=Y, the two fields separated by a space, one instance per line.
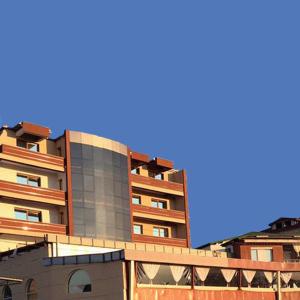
x=280 y=243
x=61 y=267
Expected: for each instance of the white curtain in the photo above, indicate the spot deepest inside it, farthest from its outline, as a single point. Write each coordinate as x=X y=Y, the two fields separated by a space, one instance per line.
x=286 y=277
x=228 y=274
x=269 y=276
x=249 y=275
x=202 y=273
x=297 y=249
x=177 y=272
x=151 y=270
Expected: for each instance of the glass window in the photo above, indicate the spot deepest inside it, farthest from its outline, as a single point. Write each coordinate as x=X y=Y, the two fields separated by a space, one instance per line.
x=262 y=254
x=21 y=215
x=26 y=215
x=163 y=232
x=7 y=294
x=21 y=179
x=254 y=254
x=136 y=200
x=21 y=144
x=33 y=182
x=33 y=147
x=154 y=204
x=159 y=204
x=135 y=171
x=155 y=231
x=160 y=232
x=30 y=146
x=159 y=176
x=137 y=229
x=79 y=282
x=34 y=217
x=31 y=290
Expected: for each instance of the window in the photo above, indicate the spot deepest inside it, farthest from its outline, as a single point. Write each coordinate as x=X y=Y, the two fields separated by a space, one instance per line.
x=28 y=215
x=28 y=180
x=262 y=254
x=136 y=200
x=160 y=232
x=159 y=176
x=137 y=229
x=159 y=204
x=79 y=282
x=7 y=294
x=135 y=171
x=30 y=146
x=31 y=290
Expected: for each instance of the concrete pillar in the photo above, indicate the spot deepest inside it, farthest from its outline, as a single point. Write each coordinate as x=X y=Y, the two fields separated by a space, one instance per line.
x=132 y=280
x=278 y=286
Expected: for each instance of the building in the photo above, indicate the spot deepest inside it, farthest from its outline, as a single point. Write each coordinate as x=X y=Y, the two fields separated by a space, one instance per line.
x=85 y=185
x=65 y=267
x=280 y=242
x=85 y=217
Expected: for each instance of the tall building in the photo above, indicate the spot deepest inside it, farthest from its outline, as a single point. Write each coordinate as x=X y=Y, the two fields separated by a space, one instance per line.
x=85 y=185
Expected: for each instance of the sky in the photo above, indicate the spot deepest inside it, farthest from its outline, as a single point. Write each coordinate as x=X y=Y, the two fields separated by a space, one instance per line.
x=210 y=85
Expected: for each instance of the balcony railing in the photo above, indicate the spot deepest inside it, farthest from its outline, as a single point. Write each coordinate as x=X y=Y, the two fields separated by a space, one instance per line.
x=167 y=213
x=26 y=226
x=26 y=192
x=140 y=238
x=292 y=260
x=153 y=183
x=32 y=158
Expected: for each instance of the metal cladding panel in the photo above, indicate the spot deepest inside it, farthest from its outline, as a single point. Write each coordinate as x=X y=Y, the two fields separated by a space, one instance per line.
x=183 y=294
x=100 y=190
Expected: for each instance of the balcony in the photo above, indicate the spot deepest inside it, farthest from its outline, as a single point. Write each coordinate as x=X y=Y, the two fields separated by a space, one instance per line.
x=158 y=185
x=37 y=159
x=30 y=228
x=167 y=215
x=140 y=238
x=30 y=193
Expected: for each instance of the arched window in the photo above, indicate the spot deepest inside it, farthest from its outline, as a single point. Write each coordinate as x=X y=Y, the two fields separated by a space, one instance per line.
x=31 y=290
x=6 y=295
x=79 y=282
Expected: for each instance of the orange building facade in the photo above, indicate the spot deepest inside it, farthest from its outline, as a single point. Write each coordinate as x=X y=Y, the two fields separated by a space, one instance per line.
x=85 y=185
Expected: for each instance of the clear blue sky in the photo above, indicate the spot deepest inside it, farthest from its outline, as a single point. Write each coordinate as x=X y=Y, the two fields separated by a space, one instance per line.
x=212 y=85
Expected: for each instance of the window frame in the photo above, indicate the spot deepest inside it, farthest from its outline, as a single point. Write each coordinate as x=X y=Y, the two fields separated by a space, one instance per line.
x=70 y=278
x=28 y=177
x=28 y=212
x=136 y=197
x=258 y=256
x=159 y=228
x=27 y=144
x=4 y=290
x=157 y=201
x=135 y=171
x=141 y=228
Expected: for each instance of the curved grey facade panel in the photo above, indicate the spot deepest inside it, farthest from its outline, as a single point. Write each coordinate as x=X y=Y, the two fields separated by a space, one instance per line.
x=100 y=189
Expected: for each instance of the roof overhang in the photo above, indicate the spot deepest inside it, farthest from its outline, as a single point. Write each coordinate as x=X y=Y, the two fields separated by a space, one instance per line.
x=158 y=165
x=138 y=159
x=32 y=132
